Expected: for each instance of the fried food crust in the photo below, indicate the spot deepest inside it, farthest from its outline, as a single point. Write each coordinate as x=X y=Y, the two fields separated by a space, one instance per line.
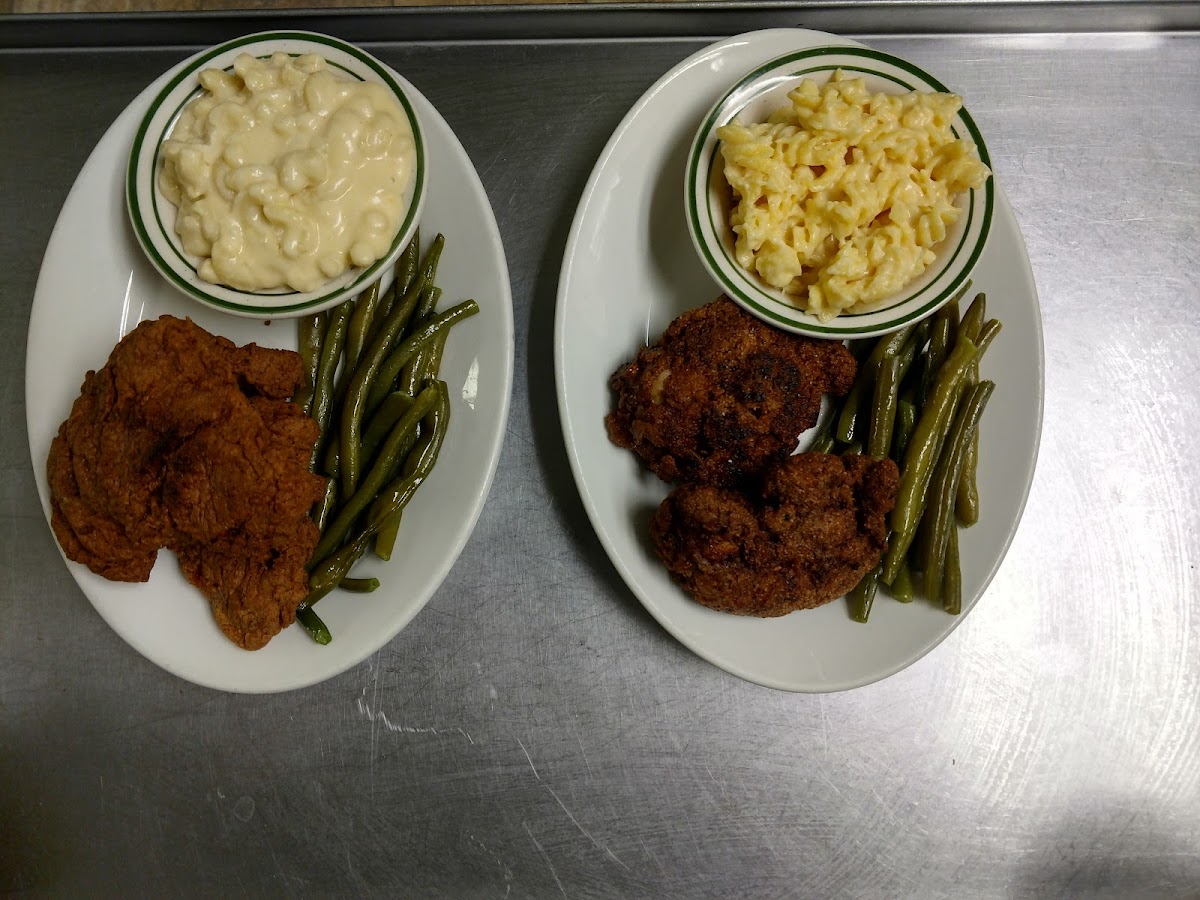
x=184 y=440
x=812 y=528
x=722 y=394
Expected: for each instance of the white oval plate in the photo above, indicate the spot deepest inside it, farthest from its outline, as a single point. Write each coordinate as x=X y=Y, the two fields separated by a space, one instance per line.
x=96 y=285
x=630 y=268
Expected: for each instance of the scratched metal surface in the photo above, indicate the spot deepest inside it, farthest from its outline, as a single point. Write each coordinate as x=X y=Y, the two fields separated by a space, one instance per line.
x=533 y=733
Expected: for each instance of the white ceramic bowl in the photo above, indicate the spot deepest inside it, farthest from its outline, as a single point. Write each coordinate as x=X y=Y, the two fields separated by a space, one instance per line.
x=707 y=196
x=153 y=216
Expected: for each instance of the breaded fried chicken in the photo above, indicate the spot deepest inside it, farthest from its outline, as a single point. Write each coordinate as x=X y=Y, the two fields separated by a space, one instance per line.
x=805 y=535
x=722 y=394
x=183 y=440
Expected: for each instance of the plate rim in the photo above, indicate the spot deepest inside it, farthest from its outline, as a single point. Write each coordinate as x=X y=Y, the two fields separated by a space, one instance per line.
x=566 y=420
x=127 y=119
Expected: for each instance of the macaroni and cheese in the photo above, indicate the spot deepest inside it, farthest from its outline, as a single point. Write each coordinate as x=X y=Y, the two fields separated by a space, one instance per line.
x=841 y=195
x=286 y=174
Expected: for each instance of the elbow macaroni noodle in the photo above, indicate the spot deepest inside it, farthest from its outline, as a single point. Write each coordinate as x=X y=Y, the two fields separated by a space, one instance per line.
x=285 y=174
x=841 y=196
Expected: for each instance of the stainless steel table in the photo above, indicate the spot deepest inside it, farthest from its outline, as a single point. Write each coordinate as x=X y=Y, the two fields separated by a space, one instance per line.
x=533 y=732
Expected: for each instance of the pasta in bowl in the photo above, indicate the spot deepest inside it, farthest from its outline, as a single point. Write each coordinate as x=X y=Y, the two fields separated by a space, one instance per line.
x=277 y=174
x=839 y=192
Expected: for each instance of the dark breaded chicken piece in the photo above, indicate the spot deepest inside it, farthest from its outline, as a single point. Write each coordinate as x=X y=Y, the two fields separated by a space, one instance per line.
x=183 y=440
x=722 y=394
x=806 y=535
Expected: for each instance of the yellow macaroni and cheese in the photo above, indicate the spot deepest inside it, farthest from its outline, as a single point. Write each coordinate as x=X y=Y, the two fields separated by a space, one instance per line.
x=841 y=195
x=287 y=174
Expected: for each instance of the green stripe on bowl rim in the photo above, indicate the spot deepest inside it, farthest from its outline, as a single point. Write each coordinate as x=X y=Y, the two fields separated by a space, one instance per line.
x=134 y=207
x=697 y=155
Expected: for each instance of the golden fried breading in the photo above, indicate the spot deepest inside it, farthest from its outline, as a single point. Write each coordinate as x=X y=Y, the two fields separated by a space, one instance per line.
x=810 y=531
x=722 y=394
x=183 y=440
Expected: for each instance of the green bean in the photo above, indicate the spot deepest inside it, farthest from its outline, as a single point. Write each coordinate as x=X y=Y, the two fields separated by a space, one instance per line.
x=393 y=407
x=906 y=421
x=854 y=447
x=939 y=347
x=311 y=333
x=312 y=623
x=912 y=348
x=433 y=432
x=405 y=274
x=331 y=352
x=940 y=510
x=862 y=597
x=409 y=377
x=326 y=504
x=974 y=318
x=358 y=334
x=952 y=577
x=402 y=433
x=419 y=337
x=883 y=410
x=922 y=453
x=902 y=587
x=359 y=585
x=431 y=358
x=966 y=503
x=849 y=426
x=822 y=441
x=391 y=501
x=333 y=571
x=364 y=375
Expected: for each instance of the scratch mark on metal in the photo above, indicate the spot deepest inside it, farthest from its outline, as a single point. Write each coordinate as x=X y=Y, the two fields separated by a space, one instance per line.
x=584 y=831
x=531 y=765
x=545 y=856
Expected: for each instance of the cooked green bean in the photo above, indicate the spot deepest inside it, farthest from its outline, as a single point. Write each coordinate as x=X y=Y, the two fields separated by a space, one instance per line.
x=822 y=441
x=974 y=318
x=419 y=337
x=424 y=455
x=359 y=585
x=906 y=421
x=862 y=597
x=883 y=409
x=405 y=275
x=331 y=354
x=912 y=349
x=902 y=587
x=966 y=502
x=393 y=407
x=940 y=340
x=952 y=577
x=358 y=334
x=364 y=375
x=311 y=332
x=944 y=485
x=409 y=377
x=399 y=439
x=312 y=623
x=326 y=504
x=922 y=453
x=849 y=425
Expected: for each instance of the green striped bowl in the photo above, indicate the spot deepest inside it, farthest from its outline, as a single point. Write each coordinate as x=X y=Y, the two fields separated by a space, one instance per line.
x=153 y=216
x=707 y=196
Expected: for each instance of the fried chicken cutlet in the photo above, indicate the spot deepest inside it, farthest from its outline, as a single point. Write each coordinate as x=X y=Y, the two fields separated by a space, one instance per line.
x=184 y=440
x=721 y=394
x=807 y=534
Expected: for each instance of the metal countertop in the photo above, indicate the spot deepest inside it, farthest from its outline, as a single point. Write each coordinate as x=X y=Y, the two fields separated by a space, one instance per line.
x=533 y=733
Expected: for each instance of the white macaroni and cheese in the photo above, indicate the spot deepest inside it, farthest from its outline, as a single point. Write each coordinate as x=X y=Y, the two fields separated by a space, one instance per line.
x=841 y=196
x=286 y=174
